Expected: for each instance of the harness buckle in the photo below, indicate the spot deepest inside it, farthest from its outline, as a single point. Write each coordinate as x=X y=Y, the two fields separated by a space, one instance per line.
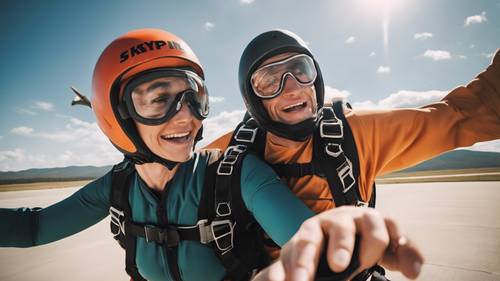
x=234 y=150
x=346 y=175
x=168 y=236
x=245 y=134
x=117 y=218
x=206 y=235
x=224 y=170
x=362 y=204
x=331 y=128
x=230 y=157
x=148 y=231
x=223 y=209
x=222 y=232
x=333 y=149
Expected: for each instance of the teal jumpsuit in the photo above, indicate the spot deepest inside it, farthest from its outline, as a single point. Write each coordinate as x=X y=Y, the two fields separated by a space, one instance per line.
x=272 y=204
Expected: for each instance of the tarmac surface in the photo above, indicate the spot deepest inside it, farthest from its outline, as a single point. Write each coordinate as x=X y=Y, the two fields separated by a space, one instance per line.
x=457 y=225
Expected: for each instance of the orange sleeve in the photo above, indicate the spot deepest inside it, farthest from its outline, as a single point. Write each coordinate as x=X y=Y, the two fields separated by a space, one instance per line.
x=220 y=143
x=393 y=139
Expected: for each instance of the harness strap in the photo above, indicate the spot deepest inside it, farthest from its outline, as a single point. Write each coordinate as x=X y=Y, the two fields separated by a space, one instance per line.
x=338 y=168
x=297 y=170
x=120 y=210
x=224 y=221
x=170 y=250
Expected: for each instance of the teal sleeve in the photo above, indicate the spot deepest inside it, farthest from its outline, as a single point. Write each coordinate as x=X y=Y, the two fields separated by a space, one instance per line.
x=272 y=203
x=26 y=227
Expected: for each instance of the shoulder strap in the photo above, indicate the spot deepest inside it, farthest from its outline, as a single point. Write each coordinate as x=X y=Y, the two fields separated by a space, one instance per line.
x=230 y=222
x=249 y=134
x=121 y=213
x=351 y=151
x=126 y=231
x=335 y=148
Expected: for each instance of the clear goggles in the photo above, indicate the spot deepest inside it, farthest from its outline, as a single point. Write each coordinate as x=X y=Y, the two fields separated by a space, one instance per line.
x=269 y=80
x=155 y=97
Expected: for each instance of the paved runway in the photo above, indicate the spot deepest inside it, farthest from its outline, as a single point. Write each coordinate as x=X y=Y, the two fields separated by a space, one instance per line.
x=456 y=224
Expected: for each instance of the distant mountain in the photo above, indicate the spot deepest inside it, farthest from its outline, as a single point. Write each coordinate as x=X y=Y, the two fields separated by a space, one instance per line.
x=457 y=159
x=54 y=174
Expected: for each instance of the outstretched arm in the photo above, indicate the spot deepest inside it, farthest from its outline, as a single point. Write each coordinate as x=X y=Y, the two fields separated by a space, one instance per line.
x=27 y=227
x=393 y=139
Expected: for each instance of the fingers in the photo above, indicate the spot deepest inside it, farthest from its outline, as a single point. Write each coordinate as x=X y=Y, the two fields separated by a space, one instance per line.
x=374 y=238
x=402 y=255
x=301 y=254
x=381 y=240
x=341 y=233
x=274 y=272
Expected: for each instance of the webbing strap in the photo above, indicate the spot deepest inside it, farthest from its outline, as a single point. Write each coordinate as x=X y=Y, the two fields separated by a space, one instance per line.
x=338 y=157
x=120 y=213
x=295 y=170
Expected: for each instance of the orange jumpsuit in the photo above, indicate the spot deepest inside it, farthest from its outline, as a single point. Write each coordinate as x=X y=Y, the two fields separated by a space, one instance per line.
x=393 y=139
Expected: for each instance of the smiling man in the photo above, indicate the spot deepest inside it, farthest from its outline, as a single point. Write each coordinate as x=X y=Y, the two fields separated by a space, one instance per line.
x=330 y=155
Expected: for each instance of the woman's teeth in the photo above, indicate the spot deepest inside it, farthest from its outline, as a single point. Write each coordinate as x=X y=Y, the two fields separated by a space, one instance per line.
x=177 y=137
x=294 y=106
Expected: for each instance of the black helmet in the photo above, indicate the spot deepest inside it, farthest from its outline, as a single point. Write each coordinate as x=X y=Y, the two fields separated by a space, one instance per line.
x=262 y=47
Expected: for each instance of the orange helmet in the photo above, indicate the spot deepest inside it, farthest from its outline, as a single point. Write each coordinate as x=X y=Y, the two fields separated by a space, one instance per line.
x=130 y=54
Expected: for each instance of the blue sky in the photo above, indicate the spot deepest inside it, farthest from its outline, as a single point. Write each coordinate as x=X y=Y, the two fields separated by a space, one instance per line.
x=377 y=53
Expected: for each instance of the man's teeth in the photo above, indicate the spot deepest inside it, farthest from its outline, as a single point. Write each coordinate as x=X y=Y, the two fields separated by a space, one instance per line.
x=174 y=136
x=294 y=105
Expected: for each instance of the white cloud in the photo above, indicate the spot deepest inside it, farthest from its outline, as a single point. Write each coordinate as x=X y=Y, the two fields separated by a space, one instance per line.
x=246 y=2
x=462 y=57
x=383 y=69
x=487 y=55
x=372 y=54
x=81 y=143
x=1 y=137
x=486 y=146
x=25 y=111
x=214 y=99
x=475 y=19
x=404 y=99
x=209 y=26
x=332 y=94
x=42 y=105
x=437 y=55
x=472 y=46
x=422 y=36
x=220 y=124
x=23 y=131
x=350 y=40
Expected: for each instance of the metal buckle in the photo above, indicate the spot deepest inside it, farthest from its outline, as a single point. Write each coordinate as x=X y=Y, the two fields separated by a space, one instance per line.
x=362 y=204
x=230 y=157
x=168 y=236
x=235 y=150
x=206 y=235
x=223 y=224
x=243 y=130
x=336 y=147
x=148 y=231
x=221 y=172
x=115 y=219
x=344 y=171
x=223 y=214
x=332 y=123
